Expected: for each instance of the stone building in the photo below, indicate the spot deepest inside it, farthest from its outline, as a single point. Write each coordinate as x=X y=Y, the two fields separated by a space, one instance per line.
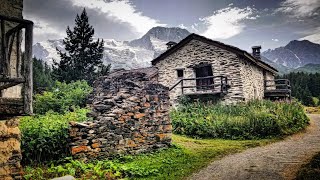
x=15 y=84
x=198 y=66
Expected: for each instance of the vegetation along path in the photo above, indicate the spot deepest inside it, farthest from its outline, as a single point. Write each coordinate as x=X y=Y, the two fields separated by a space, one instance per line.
x=280 y=160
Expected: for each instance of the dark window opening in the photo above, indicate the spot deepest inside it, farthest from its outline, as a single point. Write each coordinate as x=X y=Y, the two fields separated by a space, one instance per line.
x=204 y=83
x=180 y=73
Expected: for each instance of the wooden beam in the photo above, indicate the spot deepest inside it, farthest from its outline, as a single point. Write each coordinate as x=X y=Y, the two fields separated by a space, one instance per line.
x=19 y=27
x=17 y=80
x=4 y=51
x=14 y=19
x=18 y=44
x=28 y=85
x=8 y=85
x=10 y=40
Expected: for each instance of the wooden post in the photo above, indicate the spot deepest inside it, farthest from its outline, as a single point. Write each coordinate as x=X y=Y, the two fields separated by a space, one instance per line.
x=18 y=66
x=181 y=86
x=28 y=85
x=4 y=51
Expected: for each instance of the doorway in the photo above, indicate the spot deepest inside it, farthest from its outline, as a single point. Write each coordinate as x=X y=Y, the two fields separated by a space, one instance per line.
x=204 y=71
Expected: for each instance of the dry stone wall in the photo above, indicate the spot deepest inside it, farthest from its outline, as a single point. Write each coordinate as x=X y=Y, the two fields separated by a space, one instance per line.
x=252 y=80
x=10 y=153
x=130 y=115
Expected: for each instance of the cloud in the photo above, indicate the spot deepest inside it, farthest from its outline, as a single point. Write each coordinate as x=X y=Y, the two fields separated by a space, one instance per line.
x=227 y=22
x=275 y=40
x=44 y=30
x=123 y=11
x=313 y=37
x=300 y=8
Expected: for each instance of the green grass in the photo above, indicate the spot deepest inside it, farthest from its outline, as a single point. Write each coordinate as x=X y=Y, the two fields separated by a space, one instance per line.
x=311 y=170
x=185 y=157
x=253 y=120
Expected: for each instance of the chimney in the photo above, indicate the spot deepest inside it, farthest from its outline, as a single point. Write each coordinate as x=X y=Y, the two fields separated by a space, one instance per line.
x=256 y=51
x=170 y=44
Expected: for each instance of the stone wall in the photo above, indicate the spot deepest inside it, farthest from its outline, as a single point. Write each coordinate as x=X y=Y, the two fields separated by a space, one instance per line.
x=223 y=63
x=12 y=8
x=252 y=80
x=130 y=115
x=10 y=153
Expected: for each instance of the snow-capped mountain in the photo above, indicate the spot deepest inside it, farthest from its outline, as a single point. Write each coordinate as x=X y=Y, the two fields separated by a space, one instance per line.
x=122 y=54
x=295 y=54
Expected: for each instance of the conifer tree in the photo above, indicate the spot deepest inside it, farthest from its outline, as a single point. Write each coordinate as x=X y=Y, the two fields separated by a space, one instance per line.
x=83 y=57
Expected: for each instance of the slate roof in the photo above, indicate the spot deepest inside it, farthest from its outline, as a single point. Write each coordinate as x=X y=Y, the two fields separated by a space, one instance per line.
x=227 y=47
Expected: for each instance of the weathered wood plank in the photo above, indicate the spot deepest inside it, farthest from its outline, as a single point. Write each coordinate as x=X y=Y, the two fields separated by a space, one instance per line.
x=14 y=19
x=18 y=66
x=8 y=85
x=4 y=51
x=18 y=80
x=11 y=106
x=28 y=85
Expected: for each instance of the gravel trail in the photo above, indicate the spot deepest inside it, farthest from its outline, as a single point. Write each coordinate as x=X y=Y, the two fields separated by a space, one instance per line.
x=280 y=160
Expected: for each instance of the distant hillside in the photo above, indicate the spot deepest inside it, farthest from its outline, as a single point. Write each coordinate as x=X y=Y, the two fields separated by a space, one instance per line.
x=295 y=54
x=309 y=68
x=282 y=69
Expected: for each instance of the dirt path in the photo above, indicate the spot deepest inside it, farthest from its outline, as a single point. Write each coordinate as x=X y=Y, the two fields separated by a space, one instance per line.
x=279 y=160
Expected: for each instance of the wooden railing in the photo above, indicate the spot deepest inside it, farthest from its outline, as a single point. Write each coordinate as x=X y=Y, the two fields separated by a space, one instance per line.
x=278 y=87
x=217 y=84
x=11 y=39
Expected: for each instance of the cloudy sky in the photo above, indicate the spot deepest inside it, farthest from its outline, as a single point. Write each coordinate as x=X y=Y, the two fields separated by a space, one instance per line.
x=243 y=23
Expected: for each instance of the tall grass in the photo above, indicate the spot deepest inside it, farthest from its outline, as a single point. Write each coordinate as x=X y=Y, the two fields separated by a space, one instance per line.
x=256 y=119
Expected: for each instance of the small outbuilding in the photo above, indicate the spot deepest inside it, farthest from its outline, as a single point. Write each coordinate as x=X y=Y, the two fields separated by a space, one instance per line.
x=198 y=66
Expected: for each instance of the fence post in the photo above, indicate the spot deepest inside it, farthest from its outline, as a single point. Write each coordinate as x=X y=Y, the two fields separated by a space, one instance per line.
x=181 y=86
x=28 y=85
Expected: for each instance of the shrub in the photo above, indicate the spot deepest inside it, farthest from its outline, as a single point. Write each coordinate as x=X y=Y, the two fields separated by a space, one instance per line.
x=256 y=119
x=45 y=137
x=62 y=97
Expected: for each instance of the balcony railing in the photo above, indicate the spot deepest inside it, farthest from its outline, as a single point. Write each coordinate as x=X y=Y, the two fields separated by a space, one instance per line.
x=202 y=85
x=277 y=88
x=11 y=38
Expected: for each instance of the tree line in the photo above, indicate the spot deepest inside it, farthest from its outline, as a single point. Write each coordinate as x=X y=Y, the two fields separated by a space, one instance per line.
x=305 y=87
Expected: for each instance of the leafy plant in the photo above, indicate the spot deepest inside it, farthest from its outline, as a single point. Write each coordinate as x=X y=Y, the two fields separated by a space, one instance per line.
x=62 y=97
x=44 y=137
x=256 y=119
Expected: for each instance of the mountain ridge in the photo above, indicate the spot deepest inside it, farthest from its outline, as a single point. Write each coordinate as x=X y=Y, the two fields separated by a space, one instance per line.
x=122 y=54
x=139 y=52
x=295 y=54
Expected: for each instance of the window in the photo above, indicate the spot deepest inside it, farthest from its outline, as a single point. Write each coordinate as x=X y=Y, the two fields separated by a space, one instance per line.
x=180 y=73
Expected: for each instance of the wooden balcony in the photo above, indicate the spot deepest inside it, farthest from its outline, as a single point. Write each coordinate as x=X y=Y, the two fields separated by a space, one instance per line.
x=278 y=89
x=210 y=85
x=15 y=66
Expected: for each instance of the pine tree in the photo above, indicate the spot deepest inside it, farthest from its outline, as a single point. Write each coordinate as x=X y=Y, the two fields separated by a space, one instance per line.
x=42 y=79
x=83 y=57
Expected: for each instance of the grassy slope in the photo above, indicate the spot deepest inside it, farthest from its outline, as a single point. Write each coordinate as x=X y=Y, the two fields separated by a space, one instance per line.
x=186 y=157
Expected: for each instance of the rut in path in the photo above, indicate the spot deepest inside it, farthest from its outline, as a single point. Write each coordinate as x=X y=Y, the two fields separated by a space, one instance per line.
x=280 y=160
